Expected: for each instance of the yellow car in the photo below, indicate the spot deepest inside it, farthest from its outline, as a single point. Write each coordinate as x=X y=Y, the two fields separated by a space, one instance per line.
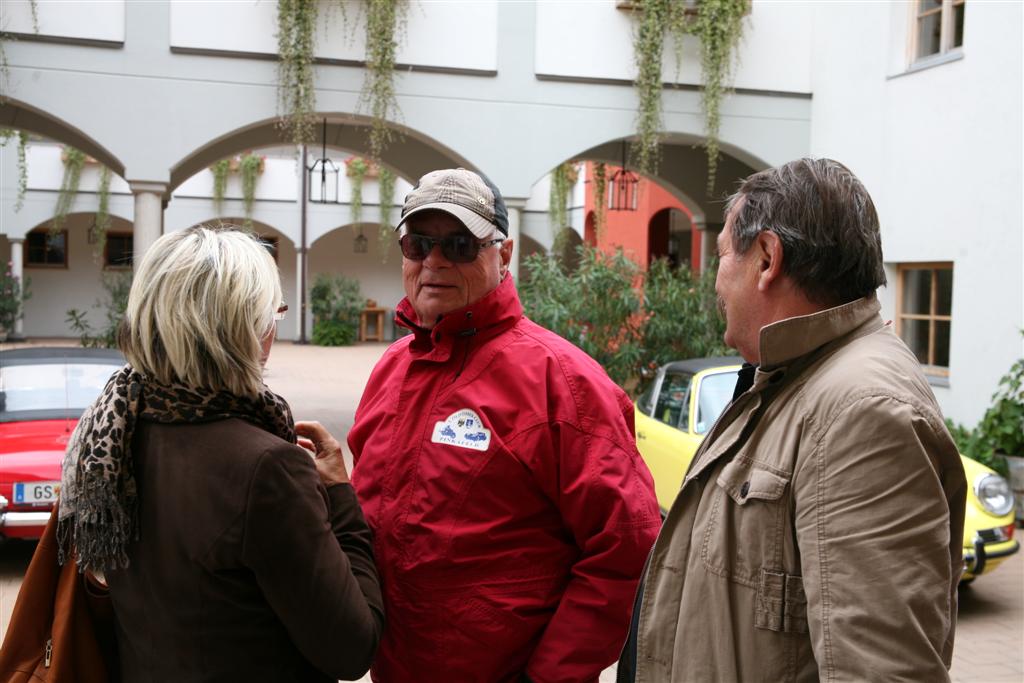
x=685 y=399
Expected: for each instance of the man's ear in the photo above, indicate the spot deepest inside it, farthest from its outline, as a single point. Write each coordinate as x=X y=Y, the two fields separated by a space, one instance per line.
x=505 y=251
x=770 y=256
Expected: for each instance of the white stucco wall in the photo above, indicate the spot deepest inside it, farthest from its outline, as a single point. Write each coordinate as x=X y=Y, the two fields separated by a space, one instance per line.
x=940 y=151
x=434 y=34
x=77 y=19
x=775 y=53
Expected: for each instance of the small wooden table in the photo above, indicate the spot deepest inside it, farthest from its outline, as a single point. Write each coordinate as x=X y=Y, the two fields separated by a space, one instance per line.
x=378 y=324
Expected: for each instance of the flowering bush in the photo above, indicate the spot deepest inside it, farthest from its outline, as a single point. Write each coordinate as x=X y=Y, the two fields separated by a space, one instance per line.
x=12 y=297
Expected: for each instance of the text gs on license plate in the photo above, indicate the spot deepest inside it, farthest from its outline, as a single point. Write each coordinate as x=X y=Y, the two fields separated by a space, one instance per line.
x=36 y=491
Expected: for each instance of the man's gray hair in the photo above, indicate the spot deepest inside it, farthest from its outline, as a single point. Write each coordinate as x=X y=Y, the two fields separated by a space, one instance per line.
x=826 y=221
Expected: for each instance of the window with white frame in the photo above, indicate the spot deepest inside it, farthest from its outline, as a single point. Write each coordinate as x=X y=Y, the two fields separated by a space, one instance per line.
x=924 y=313
x=938 y=27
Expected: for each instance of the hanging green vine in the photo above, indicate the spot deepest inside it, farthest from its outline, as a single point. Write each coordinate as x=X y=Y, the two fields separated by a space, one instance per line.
x=600 y=200
x=719 y=25
x=558 y=198
x=562 y=180
x=249 y=168
x=74 y=160
x=6 y=134
x=386 y=234
x=102 y=222
x=357 y=168
x=296 y=93
x=5 y=70
x=220 y=182
x=382 y=19
x=648 y=45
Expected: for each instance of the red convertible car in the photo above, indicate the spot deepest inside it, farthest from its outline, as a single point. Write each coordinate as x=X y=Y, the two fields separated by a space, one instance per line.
x=43 y=392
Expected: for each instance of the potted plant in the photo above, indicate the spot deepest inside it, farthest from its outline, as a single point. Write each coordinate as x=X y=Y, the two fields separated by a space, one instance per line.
x=12 y=298
x=1001 y=431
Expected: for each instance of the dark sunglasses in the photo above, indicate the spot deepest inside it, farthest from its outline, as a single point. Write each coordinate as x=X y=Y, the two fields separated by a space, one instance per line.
x=456 y=248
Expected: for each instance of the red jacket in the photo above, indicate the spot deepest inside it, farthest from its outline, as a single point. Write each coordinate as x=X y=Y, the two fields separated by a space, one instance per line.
x=497 y=466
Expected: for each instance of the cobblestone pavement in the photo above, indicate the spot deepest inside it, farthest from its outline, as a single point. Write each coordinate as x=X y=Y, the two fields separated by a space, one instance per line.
x=324 y=384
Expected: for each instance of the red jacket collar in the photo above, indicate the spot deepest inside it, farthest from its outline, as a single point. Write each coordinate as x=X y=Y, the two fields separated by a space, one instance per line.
x=492 y=314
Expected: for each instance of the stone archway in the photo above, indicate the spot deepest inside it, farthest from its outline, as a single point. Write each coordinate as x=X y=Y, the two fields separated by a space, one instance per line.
x=22 y=116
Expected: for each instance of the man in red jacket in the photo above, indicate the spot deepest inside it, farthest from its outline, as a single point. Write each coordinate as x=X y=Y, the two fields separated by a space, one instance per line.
x=496 y=464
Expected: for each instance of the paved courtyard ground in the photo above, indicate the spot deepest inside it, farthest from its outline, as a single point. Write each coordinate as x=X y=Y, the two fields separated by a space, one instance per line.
x=324 y=384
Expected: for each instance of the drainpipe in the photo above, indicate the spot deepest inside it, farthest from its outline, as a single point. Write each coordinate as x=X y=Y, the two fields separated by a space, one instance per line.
x=303 y=256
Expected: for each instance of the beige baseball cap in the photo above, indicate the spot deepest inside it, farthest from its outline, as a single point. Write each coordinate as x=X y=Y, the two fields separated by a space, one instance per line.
x=468 y=196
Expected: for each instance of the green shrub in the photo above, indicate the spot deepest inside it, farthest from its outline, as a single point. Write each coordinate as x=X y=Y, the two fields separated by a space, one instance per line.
x=628 y=320
x=116 y=287
x=595 y=306
x=12 y=298
x=336 y=303
x=333 y=333
x=681 y=316
x=1001 y=430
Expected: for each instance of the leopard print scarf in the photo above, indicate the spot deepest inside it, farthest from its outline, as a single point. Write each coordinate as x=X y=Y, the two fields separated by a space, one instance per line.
x=99 y=499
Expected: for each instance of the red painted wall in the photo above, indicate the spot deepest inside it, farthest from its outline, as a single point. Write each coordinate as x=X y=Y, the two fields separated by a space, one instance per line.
x=634 y=231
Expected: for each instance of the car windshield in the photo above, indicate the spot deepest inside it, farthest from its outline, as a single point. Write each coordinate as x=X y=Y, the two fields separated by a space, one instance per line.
x=715 y=394
x=45 y=387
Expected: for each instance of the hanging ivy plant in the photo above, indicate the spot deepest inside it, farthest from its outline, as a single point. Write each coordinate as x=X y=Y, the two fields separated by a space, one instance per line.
x=6 y=134
x=73 y=160
x=558 y=198
x=562 y=180
x=249 y=168
x=648 y=45
x=220 y=182
x=22 y=169
x=296 y=93
x=356 y=170
x=600 y=200
x=719 y=25
x=5 y=70
x=102 y=222
x=382 y=19
x=386 y=188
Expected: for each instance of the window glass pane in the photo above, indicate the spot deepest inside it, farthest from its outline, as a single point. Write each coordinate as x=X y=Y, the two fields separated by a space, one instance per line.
x=942 y=329
x=715 y=394
x=915 y=335
x=55 y=249
x=646 y=401
x=944 y=303
x=52 y=386
x=672 y=398
x=119 y=250
x=958 y=25
x=929 y=32
x=917 y=291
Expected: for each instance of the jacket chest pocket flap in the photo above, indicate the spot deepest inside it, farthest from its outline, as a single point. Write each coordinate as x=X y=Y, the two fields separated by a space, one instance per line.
x=745 y=529
x=744 y=482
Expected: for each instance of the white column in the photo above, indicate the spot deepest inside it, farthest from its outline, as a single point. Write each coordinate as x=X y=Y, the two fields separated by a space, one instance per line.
x=18 y=271
x=514 y=215
x=149 y=216
x=707 y=243
x=299 y=265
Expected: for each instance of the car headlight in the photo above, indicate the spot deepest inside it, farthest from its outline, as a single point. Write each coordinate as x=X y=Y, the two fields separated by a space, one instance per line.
x=994 y=494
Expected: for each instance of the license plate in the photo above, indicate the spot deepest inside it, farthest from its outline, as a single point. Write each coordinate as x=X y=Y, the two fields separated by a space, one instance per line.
x=36 y=491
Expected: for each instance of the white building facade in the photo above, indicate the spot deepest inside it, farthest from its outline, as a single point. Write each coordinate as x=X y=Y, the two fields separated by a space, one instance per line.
x=921 y=99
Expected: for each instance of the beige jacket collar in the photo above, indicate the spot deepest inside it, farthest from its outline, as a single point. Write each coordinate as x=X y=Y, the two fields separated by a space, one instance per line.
x=786 y=340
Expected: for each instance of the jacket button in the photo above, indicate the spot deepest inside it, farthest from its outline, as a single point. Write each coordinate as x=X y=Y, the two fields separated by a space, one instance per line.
x=745 y=489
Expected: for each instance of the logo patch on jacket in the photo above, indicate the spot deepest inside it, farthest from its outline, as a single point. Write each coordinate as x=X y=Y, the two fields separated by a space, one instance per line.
x=463 y=428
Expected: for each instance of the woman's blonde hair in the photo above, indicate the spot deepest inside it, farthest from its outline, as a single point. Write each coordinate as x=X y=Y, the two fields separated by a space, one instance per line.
x=201 y=302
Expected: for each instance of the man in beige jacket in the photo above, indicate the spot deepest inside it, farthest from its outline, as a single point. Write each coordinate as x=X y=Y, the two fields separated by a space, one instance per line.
x=817 y=534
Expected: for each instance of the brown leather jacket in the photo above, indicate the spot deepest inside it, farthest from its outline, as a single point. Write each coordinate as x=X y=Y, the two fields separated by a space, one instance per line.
x=246 y=567
x=817 y=534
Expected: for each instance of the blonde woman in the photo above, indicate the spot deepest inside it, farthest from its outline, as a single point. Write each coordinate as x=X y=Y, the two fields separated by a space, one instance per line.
x=230 y=553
